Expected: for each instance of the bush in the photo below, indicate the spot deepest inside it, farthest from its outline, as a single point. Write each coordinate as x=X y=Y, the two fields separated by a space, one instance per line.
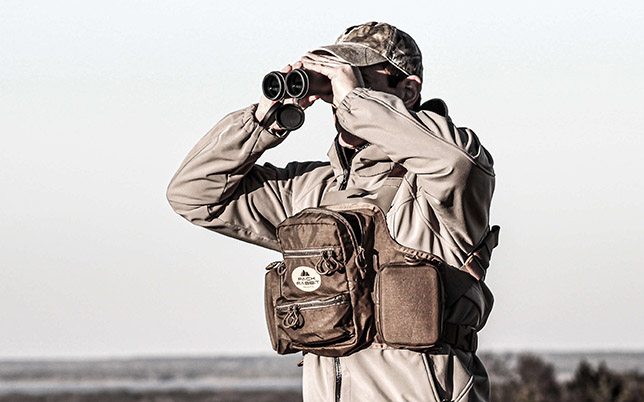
x=528 y=378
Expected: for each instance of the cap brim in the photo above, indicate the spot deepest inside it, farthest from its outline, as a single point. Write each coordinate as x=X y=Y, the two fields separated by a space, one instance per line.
x=357 y=55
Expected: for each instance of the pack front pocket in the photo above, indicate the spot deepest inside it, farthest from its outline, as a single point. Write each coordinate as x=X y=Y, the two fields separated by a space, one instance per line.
x=325 y=260
x=314 y=273
x=316 y=322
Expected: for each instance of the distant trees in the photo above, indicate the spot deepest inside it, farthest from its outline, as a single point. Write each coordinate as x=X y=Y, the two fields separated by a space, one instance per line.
x=530 y=379
x=601 y=384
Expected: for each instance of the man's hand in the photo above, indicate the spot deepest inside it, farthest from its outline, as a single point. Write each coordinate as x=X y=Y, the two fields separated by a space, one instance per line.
x=344 y=77
x=265 y=103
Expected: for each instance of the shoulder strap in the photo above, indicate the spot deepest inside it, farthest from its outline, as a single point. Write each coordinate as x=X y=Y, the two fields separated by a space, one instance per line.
x=479 y=259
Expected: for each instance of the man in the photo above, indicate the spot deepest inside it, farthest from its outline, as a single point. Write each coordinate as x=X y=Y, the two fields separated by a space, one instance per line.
x=442 y=205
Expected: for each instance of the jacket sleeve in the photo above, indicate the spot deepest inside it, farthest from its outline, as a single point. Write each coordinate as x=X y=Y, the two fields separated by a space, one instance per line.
x=453 y=170
x=219 y=186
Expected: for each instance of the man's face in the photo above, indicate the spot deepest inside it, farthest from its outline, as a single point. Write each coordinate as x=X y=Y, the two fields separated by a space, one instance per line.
x=376 y=77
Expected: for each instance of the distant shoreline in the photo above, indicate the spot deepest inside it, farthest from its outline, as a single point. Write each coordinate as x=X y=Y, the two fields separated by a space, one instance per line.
x=174 y=396
x=225 y=374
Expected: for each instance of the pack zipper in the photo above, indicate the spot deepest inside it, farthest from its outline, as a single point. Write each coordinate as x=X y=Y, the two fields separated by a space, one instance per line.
x=294 y=319
x=342 y=298
x=327 y=264
x=309 y=252
x=360 y=254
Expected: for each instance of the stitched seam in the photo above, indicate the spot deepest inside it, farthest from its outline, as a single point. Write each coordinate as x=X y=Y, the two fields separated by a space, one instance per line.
x=380 y=172
x=465 y=390
x=244 y=229
x=430 y=376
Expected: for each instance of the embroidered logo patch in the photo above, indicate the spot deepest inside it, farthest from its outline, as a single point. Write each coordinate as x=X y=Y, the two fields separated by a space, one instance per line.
x=306 y=279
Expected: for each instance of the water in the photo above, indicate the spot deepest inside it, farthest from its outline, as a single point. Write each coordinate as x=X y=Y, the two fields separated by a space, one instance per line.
x=157 y=374
x=220 y=373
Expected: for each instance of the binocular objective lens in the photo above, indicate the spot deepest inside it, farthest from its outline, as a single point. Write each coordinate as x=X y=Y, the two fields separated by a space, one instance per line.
x=296 y=83
x=272 y=90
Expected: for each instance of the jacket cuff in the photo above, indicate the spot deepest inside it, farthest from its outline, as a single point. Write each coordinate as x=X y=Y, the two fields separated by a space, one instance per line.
x=344 y=109
x=266 y=138
x=252 y=109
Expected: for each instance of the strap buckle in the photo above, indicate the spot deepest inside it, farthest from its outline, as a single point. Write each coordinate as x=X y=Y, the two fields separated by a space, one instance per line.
x=460 y=337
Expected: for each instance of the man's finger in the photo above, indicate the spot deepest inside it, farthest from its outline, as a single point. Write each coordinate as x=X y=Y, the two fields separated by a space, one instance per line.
x=307 y=101
x=286 y=68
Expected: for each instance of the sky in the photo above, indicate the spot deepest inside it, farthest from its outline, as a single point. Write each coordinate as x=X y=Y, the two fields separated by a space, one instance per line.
x=100 y=102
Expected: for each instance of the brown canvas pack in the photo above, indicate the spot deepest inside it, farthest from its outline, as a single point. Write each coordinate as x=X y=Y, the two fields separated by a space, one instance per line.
x=345 y=283
x=316 y=299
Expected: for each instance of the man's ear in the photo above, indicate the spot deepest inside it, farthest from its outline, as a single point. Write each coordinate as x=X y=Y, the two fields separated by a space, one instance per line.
x=409 y=90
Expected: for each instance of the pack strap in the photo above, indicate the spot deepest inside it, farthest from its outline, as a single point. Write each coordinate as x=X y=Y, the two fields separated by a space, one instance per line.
x=479 y=259
x=460 y=336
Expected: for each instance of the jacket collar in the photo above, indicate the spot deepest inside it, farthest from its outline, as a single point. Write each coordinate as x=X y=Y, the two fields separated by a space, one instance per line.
x=368 y=165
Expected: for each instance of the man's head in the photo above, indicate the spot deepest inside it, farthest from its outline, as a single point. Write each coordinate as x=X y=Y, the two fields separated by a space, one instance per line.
x=389 y=59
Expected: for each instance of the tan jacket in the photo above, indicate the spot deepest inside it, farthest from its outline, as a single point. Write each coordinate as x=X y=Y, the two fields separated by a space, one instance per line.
x=442 y=207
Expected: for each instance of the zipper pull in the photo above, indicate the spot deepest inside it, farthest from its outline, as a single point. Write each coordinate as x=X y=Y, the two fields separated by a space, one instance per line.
x=293 y=318
x=328 y=263
x=360 y=258
x=277 y=265
x=345 y=179
x=361 y=262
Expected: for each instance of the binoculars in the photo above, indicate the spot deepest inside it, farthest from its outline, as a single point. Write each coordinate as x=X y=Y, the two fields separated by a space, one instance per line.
x=296 y=84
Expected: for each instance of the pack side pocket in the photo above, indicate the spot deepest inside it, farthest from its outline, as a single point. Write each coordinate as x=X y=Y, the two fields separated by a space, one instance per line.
x=272 y=293
x=409 y=305
x=315 y=322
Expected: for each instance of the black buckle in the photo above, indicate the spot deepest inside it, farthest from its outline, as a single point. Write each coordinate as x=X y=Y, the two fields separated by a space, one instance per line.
x=461 y=337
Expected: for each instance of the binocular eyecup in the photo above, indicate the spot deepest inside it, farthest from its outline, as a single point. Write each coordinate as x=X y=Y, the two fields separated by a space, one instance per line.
x=296 y=84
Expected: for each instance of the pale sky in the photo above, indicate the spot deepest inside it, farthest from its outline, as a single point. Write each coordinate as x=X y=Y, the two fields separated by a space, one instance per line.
x=100 y=102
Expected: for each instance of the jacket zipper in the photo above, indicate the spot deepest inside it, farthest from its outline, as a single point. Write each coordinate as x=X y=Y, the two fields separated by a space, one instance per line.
x=344 y=163
x=338 y=378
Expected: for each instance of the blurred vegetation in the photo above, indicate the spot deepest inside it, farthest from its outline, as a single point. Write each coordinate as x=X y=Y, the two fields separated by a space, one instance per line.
x=528 y=378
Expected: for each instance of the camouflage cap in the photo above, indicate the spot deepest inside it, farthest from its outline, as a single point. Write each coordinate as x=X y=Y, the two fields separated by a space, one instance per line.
x=375 y=42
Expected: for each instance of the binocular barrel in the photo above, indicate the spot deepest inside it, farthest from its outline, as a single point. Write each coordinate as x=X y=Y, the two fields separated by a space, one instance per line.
x=301 y=83
x=297 y=83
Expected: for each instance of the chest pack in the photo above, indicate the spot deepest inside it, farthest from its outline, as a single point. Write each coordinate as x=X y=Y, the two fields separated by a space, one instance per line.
x=345 y=283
